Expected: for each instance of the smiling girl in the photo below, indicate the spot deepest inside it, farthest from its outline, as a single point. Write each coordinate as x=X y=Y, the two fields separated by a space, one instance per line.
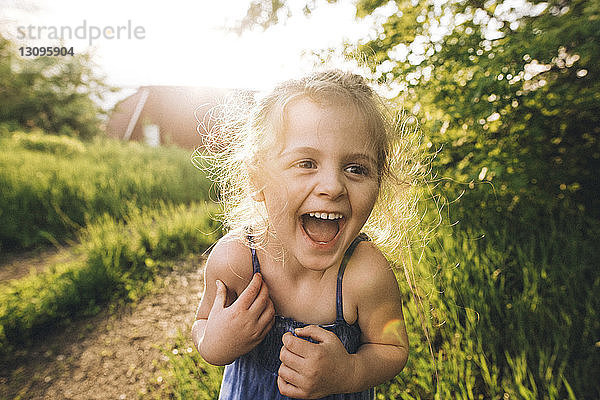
x=298 y=303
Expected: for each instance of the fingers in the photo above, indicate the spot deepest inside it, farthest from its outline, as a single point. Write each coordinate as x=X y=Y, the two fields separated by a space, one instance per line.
x=287 y=389
x=262 y=307
x=316 y=333
x=267 y=315
x=268 y=324
x=220 y=296
x=266 y=319
x=249 y=294
x=264 y=311
x=297 y=346
x=291 y=360
x=262 y=300
x=289 y=375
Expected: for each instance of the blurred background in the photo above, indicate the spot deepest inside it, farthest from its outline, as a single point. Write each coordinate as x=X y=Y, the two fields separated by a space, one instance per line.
x=99 y=108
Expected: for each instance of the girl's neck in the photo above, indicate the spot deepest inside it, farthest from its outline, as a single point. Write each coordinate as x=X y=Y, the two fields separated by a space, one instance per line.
x=280 y=259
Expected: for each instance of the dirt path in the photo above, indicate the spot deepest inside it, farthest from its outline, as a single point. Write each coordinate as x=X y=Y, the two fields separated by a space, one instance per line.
x=17 y=265
x=112 y=355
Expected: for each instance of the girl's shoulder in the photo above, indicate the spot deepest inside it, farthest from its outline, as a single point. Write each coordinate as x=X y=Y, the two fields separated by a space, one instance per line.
x=376 y=296
x=230 y=261
x=369 y=273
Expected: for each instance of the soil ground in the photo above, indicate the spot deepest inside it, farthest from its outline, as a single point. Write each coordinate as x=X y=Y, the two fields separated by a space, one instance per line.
x=113 y=355
x=17 y=265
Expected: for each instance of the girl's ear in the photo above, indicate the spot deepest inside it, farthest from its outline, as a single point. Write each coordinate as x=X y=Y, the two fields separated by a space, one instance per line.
x=256 y=184
x=258 y=195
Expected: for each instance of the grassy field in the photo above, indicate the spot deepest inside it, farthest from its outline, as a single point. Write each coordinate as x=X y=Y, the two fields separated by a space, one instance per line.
x=131 y=211
x=121 y=260
x=53 y=186
x=509 y=292
x=513 y=311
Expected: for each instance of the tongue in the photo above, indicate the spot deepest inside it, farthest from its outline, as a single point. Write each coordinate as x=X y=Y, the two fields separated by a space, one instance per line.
x=320 y=230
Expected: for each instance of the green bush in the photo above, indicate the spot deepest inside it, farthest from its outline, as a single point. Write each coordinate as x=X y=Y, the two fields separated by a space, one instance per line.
x=122 y=258
x=59 y=95
x=59 y=145
x=53 y=186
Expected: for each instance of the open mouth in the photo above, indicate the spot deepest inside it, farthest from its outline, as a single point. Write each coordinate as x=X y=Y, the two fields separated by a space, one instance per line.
x=322 y=227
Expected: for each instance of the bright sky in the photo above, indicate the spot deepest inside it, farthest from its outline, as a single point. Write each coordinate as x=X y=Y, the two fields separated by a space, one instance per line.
x=184 y=42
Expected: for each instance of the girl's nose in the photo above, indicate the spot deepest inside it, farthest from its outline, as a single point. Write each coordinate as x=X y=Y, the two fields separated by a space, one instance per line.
x=331 y=184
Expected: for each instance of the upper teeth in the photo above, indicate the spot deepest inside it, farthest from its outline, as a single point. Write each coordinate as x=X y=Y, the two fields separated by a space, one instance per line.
x=325 y=215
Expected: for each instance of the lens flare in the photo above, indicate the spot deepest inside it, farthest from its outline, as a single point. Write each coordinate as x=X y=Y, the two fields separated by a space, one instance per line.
x=393 y=329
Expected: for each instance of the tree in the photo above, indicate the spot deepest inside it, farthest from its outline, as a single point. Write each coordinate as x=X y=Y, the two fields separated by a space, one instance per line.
x=56 y=94
x=515 y=90
x=511 y=91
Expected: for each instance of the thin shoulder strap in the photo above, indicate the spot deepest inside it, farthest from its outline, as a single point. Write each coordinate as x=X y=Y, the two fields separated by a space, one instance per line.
x=255 y=263
x=339 y=305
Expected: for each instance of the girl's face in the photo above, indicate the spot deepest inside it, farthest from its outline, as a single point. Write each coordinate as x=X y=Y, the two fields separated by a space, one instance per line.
x=320 y=183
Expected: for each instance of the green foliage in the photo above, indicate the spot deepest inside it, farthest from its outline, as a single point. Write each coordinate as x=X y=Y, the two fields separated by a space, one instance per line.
x=186 y=375
x=56 y=94
x=510 y=91
x=513 y=105
x=59 y=145
x=121 y=259
x=52 y=186
x=263 y=14
x=512 y=311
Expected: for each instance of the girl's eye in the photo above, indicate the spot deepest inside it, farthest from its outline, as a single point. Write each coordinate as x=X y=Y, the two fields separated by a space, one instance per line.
x=307 y=164
x=357 y=169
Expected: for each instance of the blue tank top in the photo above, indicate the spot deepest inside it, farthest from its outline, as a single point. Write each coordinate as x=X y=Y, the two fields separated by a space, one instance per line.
x=253 y=376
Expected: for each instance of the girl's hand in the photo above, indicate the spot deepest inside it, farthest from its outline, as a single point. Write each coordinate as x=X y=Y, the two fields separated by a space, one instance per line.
x=237 y=329
x=313 y=370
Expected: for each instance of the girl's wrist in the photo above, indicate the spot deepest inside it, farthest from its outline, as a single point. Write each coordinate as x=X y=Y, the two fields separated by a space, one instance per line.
x=352 y=374
x=212 y=355
x=210 y=352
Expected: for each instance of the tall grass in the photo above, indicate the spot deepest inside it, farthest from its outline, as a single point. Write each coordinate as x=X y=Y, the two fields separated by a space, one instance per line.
x=121 y=259
x=186 y=375
x=513 y=311
x=52 y=186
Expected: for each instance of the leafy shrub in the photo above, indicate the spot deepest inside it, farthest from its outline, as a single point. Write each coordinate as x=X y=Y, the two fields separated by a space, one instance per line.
x=59 y=145
x=56 y=94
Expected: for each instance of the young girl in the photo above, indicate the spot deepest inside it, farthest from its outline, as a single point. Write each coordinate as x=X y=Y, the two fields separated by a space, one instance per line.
x=298 y=303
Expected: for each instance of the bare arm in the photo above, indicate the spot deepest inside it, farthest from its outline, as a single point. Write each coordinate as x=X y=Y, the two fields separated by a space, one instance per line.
x=227 y=327
x=384 y=351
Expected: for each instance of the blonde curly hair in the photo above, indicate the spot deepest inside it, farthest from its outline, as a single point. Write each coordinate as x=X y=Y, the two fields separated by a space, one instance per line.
x=242 y=131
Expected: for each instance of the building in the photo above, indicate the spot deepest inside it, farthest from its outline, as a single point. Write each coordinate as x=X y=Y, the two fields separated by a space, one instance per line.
x=165 y=115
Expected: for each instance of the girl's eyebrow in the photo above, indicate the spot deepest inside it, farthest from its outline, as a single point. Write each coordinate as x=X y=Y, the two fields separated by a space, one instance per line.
x=311 y=150
x=362 y=156
x=299 y=149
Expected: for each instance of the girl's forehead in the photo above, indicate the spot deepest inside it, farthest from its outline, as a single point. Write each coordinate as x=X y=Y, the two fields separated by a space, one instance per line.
x=306 y=119
x=328 y=107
